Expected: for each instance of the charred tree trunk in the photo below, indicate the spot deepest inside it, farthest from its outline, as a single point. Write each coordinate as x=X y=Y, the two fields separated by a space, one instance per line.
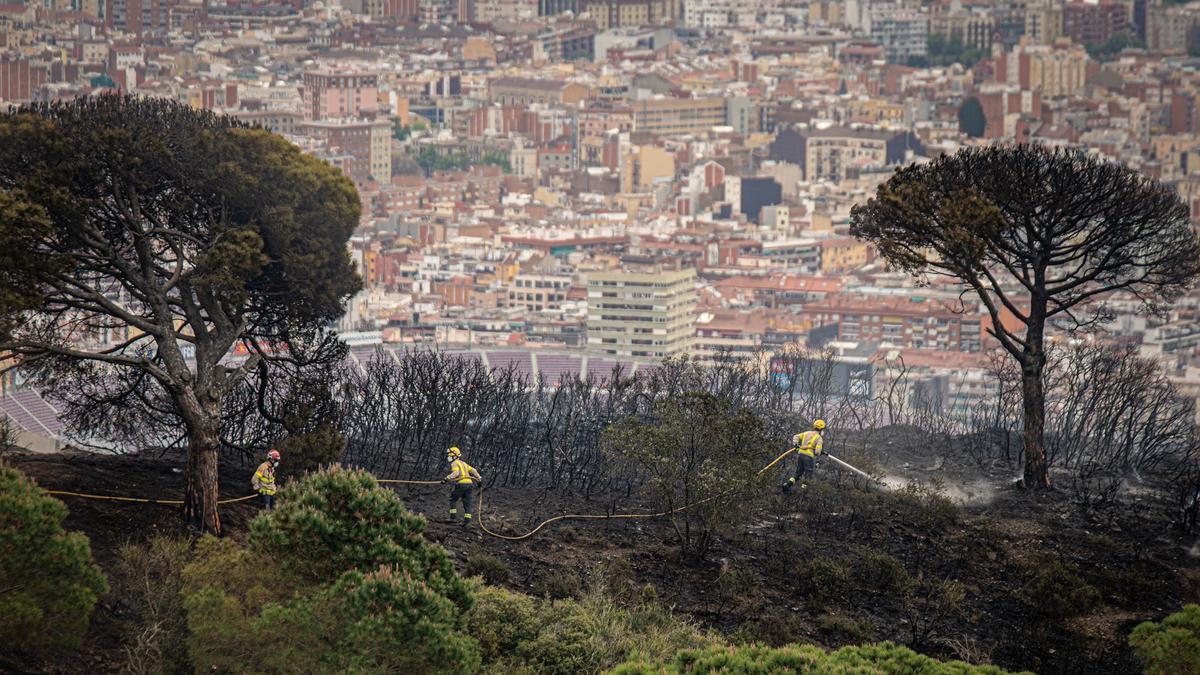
x=1037 y=474
x=202 y=493
x=1033 y=394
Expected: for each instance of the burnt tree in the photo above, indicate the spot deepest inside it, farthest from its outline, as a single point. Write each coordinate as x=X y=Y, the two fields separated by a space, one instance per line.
x=1040 y=236
x=155 y=241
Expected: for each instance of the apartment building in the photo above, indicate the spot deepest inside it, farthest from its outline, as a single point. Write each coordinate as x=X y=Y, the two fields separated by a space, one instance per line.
x=528 y=90
x=974 y=27
x=678 y=116
x=832 y=153
x=631 y=13
x=906 y=322
x=1053 y=70
x=1167 y=28
x=1044 y=21
x=539 y=292
x=330 y=94
x=641 y=314
x=367 y=146
x=902 y=33
x=1095 y=23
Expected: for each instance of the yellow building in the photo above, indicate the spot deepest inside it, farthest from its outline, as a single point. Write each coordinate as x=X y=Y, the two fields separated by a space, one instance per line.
x=677 y=116
x=876 y=111
x=839 y=256
x=622 y=13
x=643 y=165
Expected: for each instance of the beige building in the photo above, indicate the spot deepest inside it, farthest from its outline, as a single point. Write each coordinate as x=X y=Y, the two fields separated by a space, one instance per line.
x=641 y=314
x=1044 y=21
x=677 y=116
x=625 y=13
x=538 y=292
x=1054 y=71
x=1167 y=28
x=527 y=90
x=643 y=165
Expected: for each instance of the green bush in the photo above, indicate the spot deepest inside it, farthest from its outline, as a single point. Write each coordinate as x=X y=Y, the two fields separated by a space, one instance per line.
x=49 y=582
x=486 y=566
x=521 y=634
x=304 y=453
x=1057 y=591
x=595 y=633
x=338 y=520
x=384 y=621
x=823 y=579
x=879 y=572
x=338 y=578
x=1172 y=646
x=700 y=450
x=149 y=577
x=753 y=660
x=501 y=620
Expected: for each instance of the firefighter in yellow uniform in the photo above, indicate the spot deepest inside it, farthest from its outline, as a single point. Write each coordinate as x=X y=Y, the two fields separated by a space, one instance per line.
x=264 y=479
x=808 y=445
x=463 y=477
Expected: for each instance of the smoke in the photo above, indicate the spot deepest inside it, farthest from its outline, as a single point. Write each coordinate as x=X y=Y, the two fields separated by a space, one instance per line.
x=979 y=492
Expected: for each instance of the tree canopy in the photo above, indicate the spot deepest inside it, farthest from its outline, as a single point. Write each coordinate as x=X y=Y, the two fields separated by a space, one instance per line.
x=1038 y=235
x=971 y=119
x=147 y=240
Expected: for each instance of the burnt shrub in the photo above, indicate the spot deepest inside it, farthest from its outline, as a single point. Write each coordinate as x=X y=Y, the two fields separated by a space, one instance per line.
x=493 y=570
x=1058 y=591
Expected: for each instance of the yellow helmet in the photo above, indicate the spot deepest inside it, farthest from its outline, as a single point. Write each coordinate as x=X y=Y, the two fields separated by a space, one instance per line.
x=819 y=425
x=454 y=453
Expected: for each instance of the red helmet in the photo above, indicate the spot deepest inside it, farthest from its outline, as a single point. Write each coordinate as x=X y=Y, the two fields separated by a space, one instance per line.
x=274 y=454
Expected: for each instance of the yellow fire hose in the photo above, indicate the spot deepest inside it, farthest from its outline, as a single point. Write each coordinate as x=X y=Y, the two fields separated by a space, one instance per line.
x=140 y=500
x=484 y=528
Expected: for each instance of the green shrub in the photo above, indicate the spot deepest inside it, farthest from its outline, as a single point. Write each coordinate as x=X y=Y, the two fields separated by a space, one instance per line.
x=753 y=660
x=1057 y=591
x=337 y=579
x=700 y=450
x=877 y=571
x=501 y=620
x=49 y=582
x=385 y=621
x=490 y=568
x=823 y=579
x=1169 y=647
x=149 y=576
x=304 y=453
x=521 y=634
x=595 y=633
x=338 y=520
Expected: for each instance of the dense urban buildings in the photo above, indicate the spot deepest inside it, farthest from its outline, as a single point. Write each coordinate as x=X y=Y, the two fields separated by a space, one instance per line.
x=630 y=179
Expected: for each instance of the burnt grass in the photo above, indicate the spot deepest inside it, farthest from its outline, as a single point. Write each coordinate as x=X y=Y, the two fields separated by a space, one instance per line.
x=1025 y=581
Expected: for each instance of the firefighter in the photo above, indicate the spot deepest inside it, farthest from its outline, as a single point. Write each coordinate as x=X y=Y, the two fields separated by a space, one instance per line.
x=264 y=479
x=808 y=445
x=463 y=477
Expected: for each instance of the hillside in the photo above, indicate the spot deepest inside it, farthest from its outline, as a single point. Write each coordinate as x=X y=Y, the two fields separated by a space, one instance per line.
x=824 y=566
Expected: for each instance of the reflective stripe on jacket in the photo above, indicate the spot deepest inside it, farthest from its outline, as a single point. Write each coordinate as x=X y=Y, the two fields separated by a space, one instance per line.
x=461 y=472
x=809 y=442
x=264 y=479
